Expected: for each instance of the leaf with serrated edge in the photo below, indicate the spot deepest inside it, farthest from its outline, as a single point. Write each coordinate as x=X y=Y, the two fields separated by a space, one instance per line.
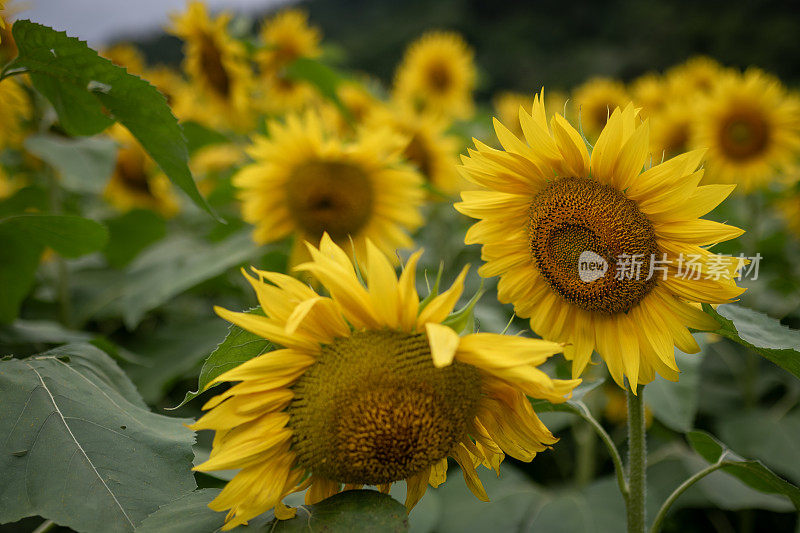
x=85 y=88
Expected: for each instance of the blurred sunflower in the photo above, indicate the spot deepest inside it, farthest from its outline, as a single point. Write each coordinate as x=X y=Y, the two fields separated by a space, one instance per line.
x=287 y=36
x=789 y=208
x=751 y=127
x=595 y=100
x=651 y=93
x=696 y=76
x=281 y=95
x=126 y=56
x=217 y=64
x=429 y=147
x=15 y=108
x=305 y=181
x=8 y=48
x=371 y=388
x=437 y=75
x=506 y=107
x=137 y=182
x=547 y=204
x=670 y=129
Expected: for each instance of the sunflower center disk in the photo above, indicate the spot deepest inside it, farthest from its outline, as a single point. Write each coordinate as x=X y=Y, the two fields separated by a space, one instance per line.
x=592 y=245
x=417 y=152
x=214 y=70
x=373 y=409
x=744 y=135
x=330 y=196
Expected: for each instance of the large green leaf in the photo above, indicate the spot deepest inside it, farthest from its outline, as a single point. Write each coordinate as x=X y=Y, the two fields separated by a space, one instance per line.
x=131 y=233
x=199 y=136
x=352 y=510
x=80 y=447
x=69 y=235
x=675 y=404
x=161 y=272
x=84 y=164
x=239 y=346
x=751 y=472
x=759 y=332
x=89 y=92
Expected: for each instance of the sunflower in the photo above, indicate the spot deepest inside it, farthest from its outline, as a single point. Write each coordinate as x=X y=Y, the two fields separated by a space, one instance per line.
x=287 y=36
x=437 y=75
x=789 y=208
x=370 y=388
x=696 y=76
x=137 y=182
x=281 y=94
x=751 y=127
x=14 y=110
x=548 y=210
x=595 y=100
x=217 y=64
x=650 y=92
x=429 y=148
x=670 y=129
x=305 y=181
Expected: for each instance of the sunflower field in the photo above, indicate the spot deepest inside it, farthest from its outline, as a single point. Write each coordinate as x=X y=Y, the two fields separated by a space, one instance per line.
x=263 y=290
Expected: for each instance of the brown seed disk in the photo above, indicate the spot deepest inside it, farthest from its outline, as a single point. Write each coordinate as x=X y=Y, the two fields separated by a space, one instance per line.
x=575 y=215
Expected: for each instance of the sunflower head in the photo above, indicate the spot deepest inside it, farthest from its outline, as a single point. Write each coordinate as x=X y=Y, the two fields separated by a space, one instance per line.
x=306 y=181
x=136 y=181
x=751 y=126
x=651 y=92
x=591 y=247
x=370 y=388
x=698 y=75
x=428 y=146
x=286 y=37
x=15 y=108
x=595 y=100
x=217 y=64
x=437 y=75
x=671 y=129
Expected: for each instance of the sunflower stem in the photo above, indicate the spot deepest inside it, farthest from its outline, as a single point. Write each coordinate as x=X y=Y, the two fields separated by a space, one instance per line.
x=637 y=461
x=608 y=442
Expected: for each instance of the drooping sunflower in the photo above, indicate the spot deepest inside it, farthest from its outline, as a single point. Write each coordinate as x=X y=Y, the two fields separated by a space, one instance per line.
x=429 y=147
x=595 y=100
x=751 y=126
x=370 y=388
x=306 y=181
x=287 y=36
x=565 y=230
x=217 y=64
x=137 y=182
x=437 y=75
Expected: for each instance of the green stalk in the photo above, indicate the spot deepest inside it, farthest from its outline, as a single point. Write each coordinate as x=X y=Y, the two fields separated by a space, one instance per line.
x=662 y=513
x=637 y=462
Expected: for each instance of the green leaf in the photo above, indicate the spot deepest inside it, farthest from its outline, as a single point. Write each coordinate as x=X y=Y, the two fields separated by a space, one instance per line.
x=161 y=272
x=80 y=448
x=745 y=431
x=190 y=514
x=675 y=404
x=23 y=200
x=238 y=347
x=759 y=332
x=131 y=233
x=352 y=510
x=69 y=235
x=84 y=164
x=17 y=270
x=751 y=472
x=199 y=136
x=87 y=90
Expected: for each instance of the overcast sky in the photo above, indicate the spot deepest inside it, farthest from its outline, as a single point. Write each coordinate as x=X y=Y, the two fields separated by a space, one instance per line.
x=104 y=21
